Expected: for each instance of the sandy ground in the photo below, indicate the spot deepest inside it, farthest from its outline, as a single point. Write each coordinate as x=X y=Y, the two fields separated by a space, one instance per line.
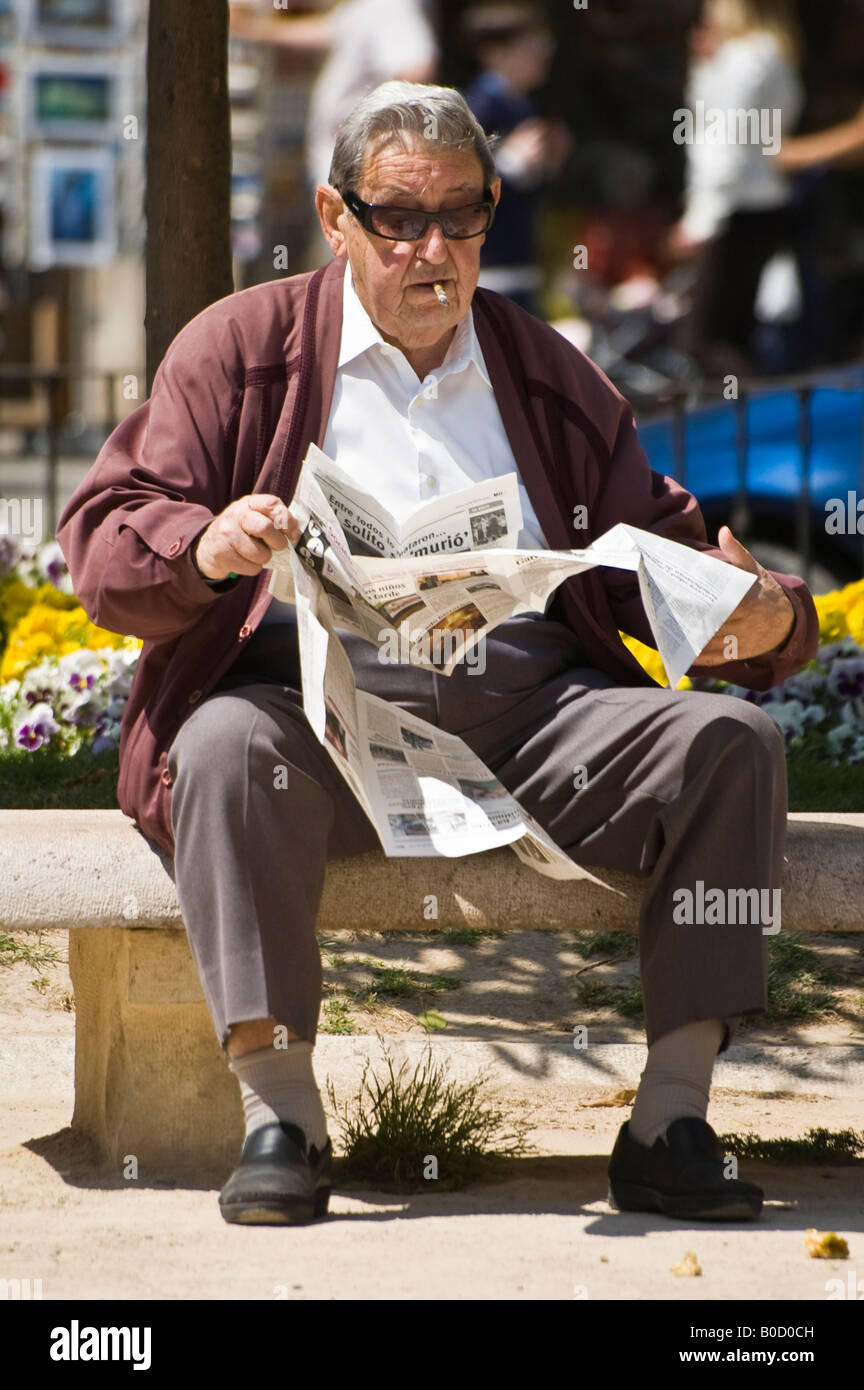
x=544 y=1233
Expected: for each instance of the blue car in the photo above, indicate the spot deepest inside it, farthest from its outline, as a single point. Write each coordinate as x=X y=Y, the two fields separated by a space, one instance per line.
x=793 y=456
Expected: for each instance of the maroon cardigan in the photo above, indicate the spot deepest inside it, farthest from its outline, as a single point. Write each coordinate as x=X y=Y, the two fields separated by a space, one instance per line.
x=242 y=391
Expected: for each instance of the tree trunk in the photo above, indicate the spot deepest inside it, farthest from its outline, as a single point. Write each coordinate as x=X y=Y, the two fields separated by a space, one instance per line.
x=188 y=199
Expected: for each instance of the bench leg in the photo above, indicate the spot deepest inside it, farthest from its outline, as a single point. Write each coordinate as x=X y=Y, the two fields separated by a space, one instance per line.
x=151 y=1081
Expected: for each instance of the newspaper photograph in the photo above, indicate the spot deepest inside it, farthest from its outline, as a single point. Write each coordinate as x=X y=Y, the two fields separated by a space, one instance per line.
x=426 y=610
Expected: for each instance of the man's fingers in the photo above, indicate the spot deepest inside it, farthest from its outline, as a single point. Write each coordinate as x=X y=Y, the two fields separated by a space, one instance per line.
x=736 y=551
x=247 y=547
x=278 y=521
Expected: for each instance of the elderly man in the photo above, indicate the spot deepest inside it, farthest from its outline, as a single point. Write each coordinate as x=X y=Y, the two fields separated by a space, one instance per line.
x=167 y=536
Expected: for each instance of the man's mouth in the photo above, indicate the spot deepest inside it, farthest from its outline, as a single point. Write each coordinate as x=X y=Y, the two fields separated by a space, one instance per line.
x=435 y=290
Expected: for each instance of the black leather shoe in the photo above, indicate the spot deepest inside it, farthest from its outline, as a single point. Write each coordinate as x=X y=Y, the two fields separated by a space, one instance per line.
x=681 y=1175
x=279 y=1180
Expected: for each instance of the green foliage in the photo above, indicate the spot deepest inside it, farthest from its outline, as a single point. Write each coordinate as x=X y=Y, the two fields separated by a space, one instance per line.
x=814 y=785
x=799 y=983
x=615 y=944
x=337 y=1017
x=15 y=948
x=467 y=936
x=390 y=981
x=814 y=1146
x=432 y=1021
x=49 y=780
x=625 y=1000
x=402 y=1118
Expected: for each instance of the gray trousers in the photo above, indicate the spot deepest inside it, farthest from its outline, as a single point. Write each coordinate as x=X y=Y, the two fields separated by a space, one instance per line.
x=681 y=787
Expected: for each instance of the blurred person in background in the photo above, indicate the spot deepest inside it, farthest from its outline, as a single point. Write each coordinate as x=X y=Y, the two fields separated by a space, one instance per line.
x=739 y=204
x=366 y=42
x=513 y=48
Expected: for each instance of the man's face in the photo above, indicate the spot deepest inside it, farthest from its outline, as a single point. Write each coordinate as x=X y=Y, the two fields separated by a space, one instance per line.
x=394 y=279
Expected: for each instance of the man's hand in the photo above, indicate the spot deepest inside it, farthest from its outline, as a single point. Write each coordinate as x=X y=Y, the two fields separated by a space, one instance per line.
x=243 y=537
x=763 y=619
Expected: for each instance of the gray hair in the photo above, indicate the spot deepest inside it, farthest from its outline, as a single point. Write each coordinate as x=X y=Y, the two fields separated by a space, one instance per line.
x=440 y=114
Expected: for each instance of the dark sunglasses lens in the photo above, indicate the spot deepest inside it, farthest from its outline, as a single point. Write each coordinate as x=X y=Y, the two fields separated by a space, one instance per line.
x=466 y=222
x=401 y=226
x=404 y=225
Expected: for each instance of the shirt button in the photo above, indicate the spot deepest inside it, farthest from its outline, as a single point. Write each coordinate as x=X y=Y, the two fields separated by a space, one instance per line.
x=173 y=548
x=196 y=695
x=431 y=480
x=244 y=631
x=165 y=776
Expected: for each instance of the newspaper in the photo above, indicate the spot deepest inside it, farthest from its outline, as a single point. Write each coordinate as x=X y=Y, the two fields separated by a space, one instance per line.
x=423 y=789
x=425 y=610
x=475 y=518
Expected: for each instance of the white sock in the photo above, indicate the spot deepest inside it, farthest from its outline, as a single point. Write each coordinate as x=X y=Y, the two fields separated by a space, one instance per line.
x=677 y=1079
x=278 y=1083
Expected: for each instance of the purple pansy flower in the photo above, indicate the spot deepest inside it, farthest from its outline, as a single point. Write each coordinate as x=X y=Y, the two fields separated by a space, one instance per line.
x=81 y=682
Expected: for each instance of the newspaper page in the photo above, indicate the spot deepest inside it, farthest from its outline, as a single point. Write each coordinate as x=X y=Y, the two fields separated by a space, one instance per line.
x=474 y=518
x=431 y=612
x=424 y=790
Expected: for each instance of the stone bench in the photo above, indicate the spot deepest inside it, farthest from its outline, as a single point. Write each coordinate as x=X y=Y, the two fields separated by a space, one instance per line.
x=150 y=1078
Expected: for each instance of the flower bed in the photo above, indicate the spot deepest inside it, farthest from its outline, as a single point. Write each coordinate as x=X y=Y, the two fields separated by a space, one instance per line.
x=64 y=682
x=821 y=709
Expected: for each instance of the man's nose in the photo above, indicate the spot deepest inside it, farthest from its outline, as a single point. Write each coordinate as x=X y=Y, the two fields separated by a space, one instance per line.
x=433 y=246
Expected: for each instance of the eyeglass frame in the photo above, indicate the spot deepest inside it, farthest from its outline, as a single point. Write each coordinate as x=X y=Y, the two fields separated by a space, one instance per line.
x=363 y=212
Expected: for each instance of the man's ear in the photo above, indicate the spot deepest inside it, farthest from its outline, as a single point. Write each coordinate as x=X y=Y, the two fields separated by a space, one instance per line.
x=330 y=208
x=495 y=190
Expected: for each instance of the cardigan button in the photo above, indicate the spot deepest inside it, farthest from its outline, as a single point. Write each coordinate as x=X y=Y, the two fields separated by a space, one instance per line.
x=165 y=777
x=244 y=631
x=173 y=548
x=196 y=695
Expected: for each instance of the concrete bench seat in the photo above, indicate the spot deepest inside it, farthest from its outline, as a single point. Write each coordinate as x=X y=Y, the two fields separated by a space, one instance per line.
x=150 y=1078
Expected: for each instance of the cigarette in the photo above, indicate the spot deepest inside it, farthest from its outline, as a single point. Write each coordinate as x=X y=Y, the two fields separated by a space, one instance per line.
x=439 y=290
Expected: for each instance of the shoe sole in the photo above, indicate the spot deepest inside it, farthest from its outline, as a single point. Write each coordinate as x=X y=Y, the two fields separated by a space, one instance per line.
x=631 y=1197
x=272 y=1212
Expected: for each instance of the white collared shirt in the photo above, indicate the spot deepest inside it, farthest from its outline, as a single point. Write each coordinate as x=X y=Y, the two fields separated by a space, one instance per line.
x=408 y=441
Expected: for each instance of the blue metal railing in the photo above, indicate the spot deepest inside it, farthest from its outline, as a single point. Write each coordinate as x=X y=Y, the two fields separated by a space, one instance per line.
x=795 y=463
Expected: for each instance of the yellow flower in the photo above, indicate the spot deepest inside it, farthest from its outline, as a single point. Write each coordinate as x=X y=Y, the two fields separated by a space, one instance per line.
x=855 y=620
x=650 y=661
x=15 y=599
x=841 y=613
x=50 y=631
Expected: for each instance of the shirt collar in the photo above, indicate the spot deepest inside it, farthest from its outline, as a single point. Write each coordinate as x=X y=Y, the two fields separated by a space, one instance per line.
x=359 y=334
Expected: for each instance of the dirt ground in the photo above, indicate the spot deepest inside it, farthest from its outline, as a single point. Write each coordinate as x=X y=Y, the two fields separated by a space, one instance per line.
x=519 y=985
x=545 y=1232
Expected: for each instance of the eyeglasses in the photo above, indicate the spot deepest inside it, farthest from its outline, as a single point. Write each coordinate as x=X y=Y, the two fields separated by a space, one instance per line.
x=412 y=224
